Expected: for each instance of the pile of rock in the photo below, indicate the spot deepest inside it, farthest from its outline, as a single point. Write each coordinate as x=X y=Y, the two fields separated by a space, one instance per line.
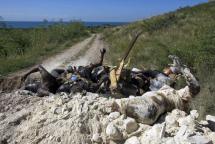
x=174 y=127
x=92 y=119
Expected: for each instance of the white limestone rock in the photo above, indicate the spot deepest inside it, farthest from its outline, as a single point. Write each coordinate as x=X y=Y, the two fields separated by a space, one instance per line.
x=211 y=136
x=132 y=140
x=56 y=110
x=96 y=138
x=188 y=121
x=204 y=123
x=194 y=114
x=181 y=131
x=199 y=140
x=59 y=101
x=24 y=92
x=2 y=116
x=170 y=141
x=113 y=132
x=163 y=130
x=130 y=125
x=178 y=113
x=114 y=115
x=152 y=135
x=171 y=120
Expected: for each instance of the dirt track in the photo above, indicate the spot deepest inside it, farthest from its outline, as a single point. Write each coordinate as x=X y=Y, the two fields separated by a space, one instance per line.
x=79 y=54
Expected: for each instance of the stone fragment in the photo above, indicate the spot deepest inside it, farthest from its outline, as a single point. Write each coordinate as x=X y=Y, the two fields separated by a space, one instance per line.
x=194 y=114
x=64 y=108
x=114 y=115
x=36 y=132
x=163 y=129
x=64 y=95
x=130 y=125
x=2 y=116
x=211 y=121
x=18 y=107
x=56 y=110
x=95 y=106
x=181 y=131
x=112 y=142
x=170 y=120
x=152 y=135
x=59 y=101
x=186 y=121
x=178 y=113
x=132 y=140
x=113 y=132
x=203 y=123
x=96 y=138
x=130 y=97
x=24 y=92
x=108 y=107
x=154 y=132
x=20 y=116
x=42 y=112
x=66 y=116
x=211 y=136
x=170 y=141
x=199 y=140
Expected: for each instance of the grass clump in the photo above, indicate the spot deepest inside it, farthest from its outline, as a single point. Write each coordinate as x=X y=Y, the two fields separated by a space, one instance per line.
x=188 y=33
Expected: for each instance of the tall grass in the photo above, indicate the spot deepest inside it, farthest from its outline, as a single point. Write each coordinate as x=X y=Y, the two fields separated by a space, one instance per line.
x=20 y=48
x=188 y=33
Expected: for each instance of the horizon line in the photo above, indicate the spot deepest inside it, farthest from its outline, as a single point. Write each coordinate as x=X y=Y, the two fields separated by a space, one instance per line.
x=66 y=21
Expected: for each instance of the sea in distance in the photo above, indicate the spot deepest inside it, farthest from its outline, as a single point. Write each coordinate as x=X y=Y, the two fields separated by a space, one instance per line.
x=27 y=24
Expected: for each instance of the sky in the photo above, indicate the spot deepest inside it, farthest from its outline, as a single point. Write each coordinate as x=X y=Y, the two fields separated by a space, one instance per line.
x=88 y=10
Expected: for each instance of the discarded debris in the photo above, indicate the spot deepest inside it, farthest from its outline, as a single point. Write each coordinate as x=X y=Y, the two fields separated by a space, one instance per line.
x=117 y=81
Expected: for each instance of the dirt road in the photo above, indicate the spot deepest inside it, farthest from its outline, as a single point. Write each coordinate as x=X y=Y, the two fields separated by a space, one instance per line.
x=80 y=54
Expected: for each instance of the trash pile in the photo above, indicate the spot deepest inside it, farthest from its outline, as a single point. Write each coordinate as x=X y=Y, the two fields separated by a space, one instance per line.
x=95 y=77
x=93 y=118
x=117 y=81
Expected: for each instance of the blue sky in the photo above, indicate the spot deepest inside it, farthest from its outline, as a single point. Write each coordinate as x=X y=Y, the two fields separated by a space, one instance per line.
x=88 y=10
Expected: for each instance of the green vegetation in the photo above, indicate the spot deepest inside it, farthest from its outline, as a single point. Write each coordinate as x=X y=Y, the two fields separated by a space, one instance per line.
x=21 y=48
x=188 y=33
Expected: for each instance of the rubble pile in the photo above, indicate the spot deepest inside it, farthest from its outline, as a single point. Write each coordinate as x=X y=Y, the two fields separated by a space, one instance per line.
x=92 y=118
